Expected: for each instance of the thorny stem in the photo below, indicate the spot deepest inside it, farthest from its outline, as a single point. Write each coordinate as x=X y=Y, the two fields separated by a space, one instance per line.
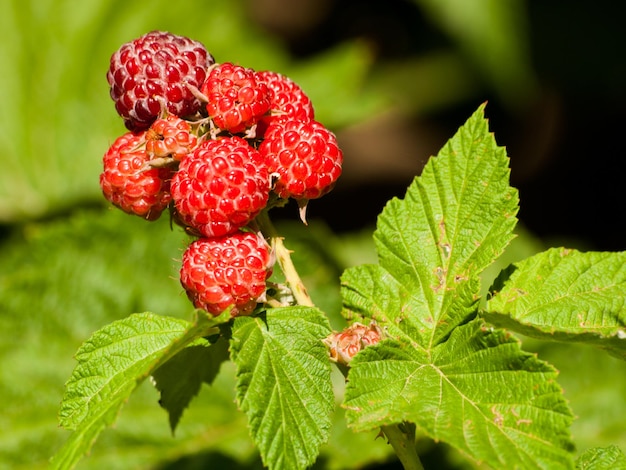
x=283 y=257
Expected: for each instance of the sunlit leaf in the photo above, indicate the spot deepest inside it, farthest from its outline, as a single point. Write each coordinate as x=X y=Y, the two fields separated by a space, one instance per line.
x=284 y=384
x=477 y=391
x=110 y=366
x=456 y=218
x=565 y=295
x=459 y=381
x=602 y=458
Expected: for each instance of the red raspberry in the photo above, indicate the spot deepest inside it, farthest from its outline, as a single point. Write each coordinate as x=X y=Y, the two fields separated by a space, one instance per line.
x=170 y=137
x=128 y=184
x=236 y=97
x=304 y=156
x=224 y=271
x=154 y=71
x=287 y=99
x=220 y=187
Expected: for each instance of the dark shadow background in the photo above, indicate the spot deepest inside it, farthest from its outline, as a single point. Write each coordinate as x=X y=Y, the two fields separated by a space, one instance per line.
x=566 y=149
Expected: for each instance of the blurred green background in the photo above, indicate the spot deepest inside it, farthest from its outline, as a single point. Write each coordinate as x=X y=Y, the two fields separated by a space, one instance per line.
x=394 y=79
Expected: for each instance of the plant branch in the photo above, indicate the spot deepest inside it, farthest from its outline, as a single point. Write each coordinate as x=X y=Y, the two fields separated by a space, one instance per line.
x=402 y=439
x=283 y=257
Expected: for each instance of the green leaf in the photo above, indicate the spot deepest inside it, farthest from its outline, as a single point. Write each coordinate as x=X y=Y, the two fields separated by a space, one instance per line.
x=456 y=218
x=180 y=378
x=594 y=384
x=566 y=295
x=110 y=366
x=283 y=383
x=602 y=458
x=88 y=270
x=441 y=368
x=477 y=391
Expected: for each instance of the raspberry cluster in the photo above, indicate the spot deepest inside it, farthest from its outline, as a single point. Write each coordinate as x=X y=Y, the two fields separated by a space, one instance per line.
x=214 y=144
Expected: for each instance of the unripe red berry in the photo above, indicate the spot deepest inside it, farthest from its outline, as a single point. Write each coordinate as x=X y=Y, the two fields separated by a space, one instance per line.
x=170 y=137
x=344 y=345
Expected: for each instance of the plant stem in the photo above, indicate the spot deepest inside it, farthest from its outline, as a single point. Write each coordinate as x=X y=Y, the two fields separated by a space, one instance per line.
x=402 y=439
x=283 y=257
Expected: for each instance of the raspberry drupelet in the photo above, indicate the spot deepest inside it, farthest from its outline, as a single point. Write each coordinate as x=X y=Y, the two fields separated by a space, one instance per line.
x=287 y=100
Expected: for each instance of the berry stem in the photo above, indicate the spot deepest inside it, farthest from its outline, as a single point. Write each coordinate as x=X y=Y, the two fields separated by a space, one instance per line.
x=402 y=439
x=283 y=257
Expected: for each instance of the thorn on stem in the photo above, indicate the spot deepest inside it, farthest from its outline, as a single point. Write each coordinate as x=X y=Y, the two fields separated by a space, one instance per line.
x=302 y=205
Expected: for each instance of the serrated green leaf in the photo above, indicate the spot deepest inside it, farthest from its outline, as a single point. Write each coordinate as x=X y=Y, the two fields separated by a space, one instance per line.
x=210 y=427
x=283 y=383
x=602 y=458
x=477 y=391
x=456 y=218
x=595 y=386
x=110 y=366
x=380 y=296
x=459 y=381
x=566 y=295
x=89 y=269
x=179 y=379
